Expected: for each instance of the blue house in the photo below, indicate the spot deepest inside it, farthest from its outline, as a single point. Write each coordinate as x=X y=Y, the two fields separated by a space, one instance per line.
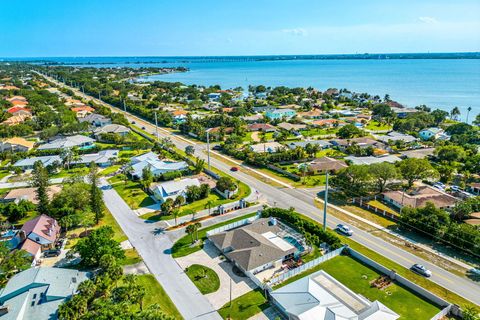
x=36 y=293
x=279 y=114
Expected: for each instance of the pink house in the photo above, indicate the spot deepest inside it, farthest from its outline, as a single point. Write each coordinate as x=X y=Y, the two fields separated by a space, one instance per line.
x=39 y=234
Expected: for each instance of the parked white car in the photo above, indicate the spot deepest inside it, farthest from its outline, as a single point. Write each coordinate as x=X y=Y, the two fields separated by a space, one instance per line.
x=344 y=229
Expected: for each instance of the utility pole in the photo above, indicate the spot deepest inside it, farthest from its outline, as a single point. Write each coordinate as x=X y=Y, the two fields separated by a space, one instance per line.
x=325 y=203
x=124 y=106
x=208 y=148
x=156 y=125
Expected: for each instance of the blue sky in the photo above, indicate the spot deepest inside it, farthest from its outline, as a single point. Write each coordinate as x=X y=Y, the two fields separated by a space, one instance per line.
x=32 y=28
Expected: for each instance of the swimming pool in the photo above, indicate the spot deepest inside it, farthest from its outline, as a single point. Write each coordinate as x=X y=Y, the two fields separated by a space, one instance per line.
x=294 y=243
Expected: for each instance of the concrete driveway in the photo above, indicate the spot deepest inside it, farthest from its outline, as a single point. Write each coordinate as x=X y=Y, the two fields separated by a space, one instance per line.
x=210 y=257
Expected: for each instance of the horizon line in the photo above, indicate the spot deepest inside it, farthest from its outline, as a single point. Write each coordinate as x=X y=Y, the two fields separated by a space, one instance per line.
x=237 y=56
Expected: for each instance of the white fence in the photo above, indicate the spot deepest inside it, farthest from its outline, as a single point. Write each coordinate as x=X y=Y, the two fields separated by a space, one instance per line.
x=444 y=312
x=284 y=276
x=233 y=225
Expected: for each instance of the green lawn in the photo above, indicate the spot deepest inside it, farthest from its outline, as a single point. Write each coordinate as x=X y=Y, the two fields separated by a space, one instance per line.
x=4 y=173
x=357 y=277
x=131 y=192
x=155 y=294
x=183 y=246
x=204 y=278
x=65 y=173
x=131 y=257
x=109 y=170
x=243 y=191
x=377 y=126
x=244 y=306
x=330 y=153
x=382 y=206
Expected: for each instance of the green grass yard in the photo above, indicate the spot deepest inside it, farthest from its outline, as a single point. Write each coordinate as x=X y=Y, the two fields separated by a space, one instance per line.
x=357 y=277
x=244 y=306
x=109 y=170
x=131 y=192
x=183 y=246
x=377 y=126
x=131 y=257
x=204 y=278
x=155 y=294
x=65 y=173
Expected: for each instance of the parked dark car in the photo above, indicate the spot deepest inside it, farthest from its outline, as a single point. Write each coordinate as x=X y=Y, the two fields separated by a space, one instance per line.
x=51 y=253
x=217 y=147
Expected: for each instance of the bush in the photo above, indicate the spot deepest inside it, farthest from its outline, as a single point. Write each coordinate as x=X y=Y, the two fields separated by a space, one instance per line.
x=312 y=231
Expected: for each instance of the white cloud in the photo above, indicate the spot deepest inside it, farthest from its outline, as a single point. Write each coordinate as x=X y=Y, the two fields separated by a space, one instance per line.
x=428 y=20
x=296 y=32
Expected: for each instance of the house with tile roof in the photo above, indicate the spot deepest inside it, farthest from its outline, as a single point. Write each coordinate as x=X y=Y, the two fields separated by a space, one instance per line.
x=16 y=144
x=324 y=164
x=36 y=293
x=19 y=110
x=14 y=120
x=29 y=194
x=419 y=197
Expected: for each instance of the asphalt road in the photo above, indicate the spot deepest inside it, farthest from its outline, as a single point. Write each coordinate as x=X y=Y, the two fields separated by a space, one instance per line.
x=303 y=202
x=154 y=246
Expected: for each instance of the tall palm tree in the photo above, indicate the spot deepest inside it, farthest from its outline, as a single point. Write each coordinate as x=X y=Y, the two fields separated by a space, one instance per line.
x=468 y=112
x=175 y=213
x=191 y=230
x=197 y=225
x=454 y=113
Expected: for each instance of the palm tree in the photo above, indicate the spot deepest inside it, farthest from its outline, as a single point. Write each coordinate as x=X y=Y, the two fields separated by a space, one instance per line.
x=191 y=230
x=175 y=213
x=468 y=112
x=197 y=225
x=454 y=113
x=209 y=205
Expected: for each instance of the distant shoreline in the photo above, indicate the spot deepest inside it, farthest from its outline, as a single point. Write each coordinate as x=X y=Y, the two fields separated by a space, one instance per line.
x=193 y=59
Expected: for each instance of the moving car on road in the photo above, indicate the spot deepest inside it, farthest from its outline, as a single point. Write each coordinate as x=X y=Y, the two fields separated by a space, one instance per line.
x=344 y=229
x=420 y=269
x=234 y=169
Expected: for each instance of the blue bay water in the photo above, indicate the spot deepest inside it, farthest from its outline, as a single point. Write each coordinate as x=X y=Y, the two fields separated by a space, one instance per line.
x=440 y=84
x=437 y=83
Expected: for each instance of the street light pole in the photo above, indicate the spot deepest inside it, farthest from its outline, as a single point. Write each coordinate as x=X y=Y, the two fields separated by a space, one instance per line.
x=208 y=148
x=156 y=125
x=325 y=203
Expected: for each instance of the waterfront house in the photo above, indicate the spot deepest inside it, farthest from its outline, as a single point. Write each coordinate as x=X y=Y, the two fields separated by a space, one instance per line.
x=172 y=189
x=319 y=296
x=68 y=142
x=279 y=114
x=36 y=293
x=16 y=144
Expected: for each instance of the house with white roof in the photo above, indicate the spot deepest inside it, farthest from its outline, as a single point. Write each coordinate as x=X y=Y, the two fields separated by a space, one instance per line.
x=396 y=136
x=173 y=189
x=36 y=293
x=156 y=165
x=371 y=160
x=96 y=120
x=103 y=158
x=27 y=164
x=319 y=296
x=68 y=142
x=269 y=147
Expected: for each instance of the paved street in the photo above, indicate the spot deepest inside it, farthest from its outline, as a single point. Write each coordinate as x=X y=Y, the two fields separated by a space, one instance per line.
x=154 y=245
x=303 y=202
